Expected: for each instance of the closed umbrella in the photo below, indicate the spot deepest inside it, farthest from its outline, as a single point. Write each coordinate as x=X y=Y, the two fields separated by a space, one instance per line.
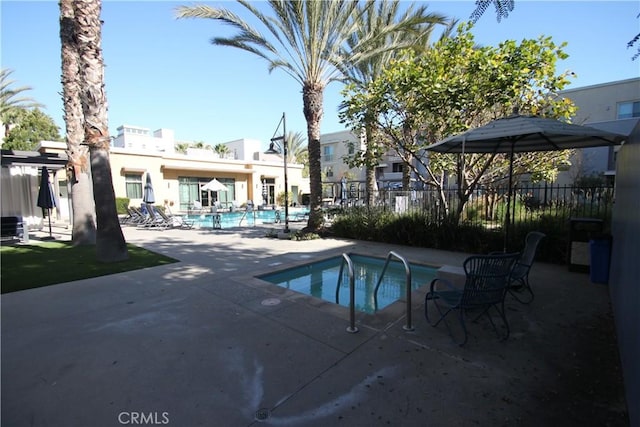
x=518 y=134
x=46 y=198
x=343 y=190
x=265 y=192
x=148 y=197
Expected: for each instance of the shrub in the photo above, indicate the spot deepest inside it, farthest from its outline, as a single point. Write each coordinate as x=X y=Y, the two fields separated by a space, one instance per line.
x=122 y=203
x=417 y=229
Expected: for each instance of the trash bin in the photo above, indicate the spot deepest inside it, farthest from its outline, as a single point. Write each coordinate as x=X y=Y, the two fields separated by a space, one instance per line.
x=581 y=231
x=600 y=254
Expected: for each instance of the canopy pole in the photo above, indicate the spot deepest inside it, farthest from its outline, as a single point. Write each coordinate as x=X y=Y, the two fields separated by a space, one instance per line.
x=507 y=219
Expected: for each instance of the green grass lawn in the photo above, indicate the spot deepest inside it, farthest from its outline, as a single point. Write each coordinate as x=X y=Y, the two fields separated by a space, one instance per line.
x=49 y=263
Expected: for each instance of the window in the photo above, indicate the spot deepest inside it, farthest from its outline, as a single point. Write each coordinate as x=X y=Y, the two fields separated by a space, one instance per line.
x=397 y=167
x=627 y=110
x=328 y=153
x=329 y=172
x=133 y=184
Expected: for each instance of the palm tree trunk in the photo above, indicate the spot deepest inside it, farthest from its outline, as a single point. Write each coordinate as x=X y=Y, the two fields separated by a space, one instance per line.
x=110 y=243
x=78 y=171
x=312 y=97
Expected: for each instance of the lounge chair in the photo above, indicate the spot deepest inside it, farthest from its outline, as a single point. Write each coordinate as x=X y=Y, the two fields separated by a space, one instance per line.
x=196 y=206
x=175 y=221
x=520 y=275
x=138 y=216
x=486 y=281
x=155 y=220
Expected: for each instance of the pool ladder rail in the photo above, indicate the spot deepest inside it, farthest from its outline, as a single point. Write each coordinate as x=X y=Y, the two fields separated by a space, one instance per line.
x=244 y=216
x=352 y=288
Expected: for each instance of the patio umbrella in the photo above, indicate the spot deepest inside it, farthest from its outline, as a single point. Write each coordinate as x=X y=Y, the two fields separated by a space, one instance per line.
x=148 y=197
x=214 y=185
x=46 y=198
x=518 y=134
x=265 y=192
x=343 y=189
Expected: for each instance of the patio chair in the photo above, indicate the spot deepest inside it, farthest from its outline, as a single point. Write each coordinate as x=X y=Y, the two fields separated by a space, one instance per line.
x=175 y=221
x=196 y=207
x=520 y=275
x=154 y=219
x=128 y=218
x=486 y=281
x=139 y=217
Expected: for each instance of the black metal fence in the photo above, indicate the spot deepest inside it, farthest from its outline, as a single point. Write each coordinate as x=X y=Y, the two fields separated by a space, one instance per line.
x=486 y=206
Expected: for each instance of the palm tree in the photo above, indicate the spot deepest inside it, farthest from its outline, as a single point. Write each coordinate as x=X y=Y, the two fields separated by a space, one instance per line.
x=503 y=7
x=110 y=243
x=78 y=170
x=297 y=147
x=201 y=145
x=182 y=147
x=222 y=150
x=307 y=40
x=10 y=103
x=417 y=27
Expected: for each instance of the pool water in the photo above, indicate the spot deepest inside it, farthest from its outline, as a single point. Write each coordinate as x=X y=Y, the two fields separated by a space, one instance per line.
x=235 y=219
x=319 y=279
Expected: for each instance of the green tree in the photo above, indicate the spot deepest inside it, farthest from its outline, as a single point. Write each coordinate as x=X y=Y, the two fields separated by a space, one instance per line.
x=30 y=127
x=418 y=26
x=110 y=243
x=83 y=230
x=298 y=151
x=503 y=7
x=200 y=145
x=297 y=148
x=182 y=147
x=11 y=100
x=454 y=86
x=221 y=149
x=306 y=39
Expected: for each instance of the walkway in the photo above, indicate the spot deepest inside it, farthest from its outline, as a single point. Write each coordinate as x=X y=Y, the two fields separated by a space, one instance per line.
x=200 y=343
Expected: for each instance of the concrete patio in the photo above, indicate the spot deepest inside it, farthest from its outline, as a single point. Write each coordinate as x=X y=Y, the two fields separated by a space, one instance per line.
x=202 y=342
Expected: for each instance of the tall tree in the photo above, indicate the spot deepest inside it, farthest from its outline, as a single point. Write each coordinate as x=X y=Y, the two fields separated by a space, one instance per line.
x=31 y=127
x=417 y=26
x=503 y=7
x=454 y=86
x=12 y=101
x=78 y=169
x=307 y=41
x=110 y=243
x=297 y=147
x=221 y=149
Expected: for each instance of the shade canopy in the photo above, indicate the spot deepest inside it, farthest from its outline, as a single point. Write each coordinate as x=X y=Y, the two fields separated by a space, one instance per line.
x=148 y=196
x=518 y=134
x=214 y=185
x=523 y=134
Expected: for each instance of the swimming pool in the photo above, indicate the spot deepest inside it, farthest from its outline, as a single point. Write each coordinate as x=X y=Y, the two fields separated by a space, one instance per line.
x=319 y=279
x=239 y=219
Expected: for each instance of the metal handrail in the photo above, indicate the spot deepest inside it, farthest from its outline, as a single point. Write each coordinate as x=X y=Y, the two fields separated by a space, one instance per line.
x=407 y=269
x=244 y=215
x=352 y=328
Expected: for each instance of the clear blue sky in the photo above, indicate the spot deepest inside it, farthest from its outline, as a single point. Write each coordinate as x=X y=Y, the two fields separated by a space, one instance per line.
x=164 y=73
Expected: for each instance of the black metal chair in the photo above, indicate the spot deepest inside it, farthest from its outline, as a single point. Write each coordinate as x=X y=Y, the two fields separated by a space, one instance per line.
x=520 y=275
x=486 y=281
